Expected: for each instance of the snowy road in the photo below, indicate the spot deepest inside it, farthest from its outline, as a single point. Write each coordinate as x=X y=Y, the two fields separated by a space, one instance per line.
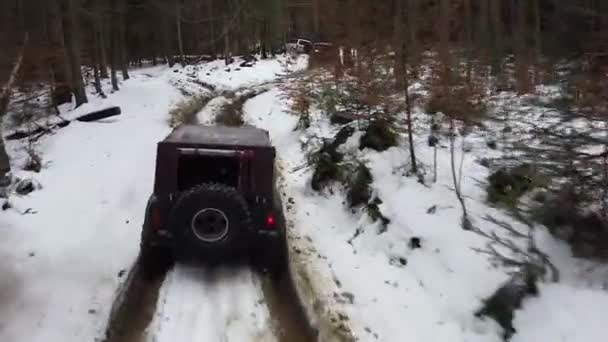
x=211 y=304
x=64 y=263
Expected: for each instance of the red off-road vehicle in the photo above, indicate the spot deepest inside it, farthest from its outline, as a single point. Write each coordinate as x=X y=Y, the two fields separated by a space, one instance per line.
x=214 y=197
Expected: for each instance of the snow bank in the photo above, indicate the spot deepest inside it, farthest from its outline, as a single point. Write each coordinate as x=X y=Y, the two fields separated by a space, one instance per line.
x=64 y=263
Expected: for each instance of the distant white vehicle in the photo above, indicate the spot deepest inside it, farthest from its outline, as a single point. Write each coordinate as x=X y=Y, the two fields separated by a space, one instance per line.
x=299 y=45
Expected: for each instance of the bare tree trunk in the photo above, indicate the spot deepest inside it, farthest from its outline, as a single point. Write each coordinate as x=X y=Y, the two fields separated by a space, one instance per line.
x=166 y=36
x=100 y=27
x=72 y=33
x=60 y=68
x=444 y=35
x=122 y=49
x=497 y=24
x=178 y=25
x=468 y=22
x=316 y=18
x=398 y=43
x=227 y=50
x=521 y=60
x=5 y=166
x=412 y=22
x=408 y=111
x=212 y=29
x=402 y=78
x=264 y=39
x=96 y=64
x=482 y=28
x=456 y=178
x=113 y=47
x=537 y=41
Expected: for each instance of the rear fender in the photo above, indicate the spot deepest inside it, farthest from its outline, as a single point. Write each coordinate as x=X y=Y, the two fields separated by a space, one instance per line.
x=156 y=215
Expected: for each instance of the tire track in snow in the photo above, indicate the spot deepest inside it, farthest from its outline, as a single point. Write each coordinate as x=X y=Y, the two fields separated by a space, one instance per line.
x=223 y=303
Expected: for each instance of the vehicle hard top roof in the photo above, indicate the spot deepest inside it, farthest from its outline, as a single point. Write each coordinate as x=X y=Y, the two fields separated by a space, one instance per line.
x=248 y=136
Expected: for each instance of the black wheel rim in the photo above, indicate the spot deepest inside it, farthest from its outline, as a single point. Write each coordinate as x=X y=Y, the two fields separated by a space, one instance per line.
x=210 y=225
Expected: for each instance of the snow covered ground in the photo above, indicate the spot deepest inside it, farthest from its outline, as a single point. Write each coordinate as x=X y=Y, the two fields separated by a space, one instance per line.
x=234 y=76
x=392 y=292
x=63 y=263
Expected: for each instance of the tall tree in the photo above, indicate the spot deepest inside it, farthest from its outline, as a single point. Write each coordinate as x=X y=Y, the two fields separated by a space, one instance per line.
x=122 y=43
x=412 y=28
x=213 y=38
x=5 y=95
x=444 y=35
x=497 y=29
x=402 y=75
x=60 y=68
x=114 y=45
x=72 y=38
x=178 y=27
x=521 y=51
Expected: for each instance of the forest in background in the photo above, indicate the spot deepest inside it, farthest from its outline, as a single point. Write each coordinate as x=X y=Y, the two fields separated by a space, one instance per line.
x=109 y=36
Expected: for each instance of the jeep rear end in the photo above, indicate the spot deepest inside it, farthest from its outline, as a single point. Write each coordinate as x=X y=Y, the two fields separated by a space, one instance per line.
x=240 y=158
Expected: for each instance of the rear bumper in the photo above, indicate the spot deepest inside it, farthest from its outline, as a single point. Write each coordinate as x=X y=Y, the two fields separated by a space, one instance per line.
x=248 y=240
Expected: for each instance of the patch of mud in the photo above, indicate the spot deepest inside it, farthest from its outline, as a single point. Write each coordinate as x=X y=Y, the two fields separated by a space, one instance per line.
x=309 y=285
x=135 y=307
x=290 y=321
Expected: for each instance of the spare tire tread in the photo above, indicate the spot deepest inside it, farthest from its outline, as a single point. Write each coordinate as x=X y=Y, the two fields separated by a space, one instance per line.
x=190 y=201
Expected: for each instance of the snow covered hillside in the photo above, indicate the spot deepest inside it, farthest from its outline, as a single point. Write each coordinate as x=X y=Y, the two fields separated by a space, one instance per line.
x=66 y=249
x=419 y=278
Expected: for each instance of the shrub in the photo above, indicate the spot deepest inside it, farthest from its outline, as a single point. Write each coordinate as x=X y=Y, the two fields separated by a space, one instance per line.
x=380 y=135
x=373 y=211
x=343 y=134
x=358 y=186
x=567 y=217
x=326 y=163
x=506 y=186
x=502 y=304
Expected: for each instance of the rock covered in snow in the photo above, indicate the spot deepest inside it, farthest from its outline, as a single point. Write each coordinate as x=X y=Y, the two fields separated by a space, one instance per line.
x=27 y=186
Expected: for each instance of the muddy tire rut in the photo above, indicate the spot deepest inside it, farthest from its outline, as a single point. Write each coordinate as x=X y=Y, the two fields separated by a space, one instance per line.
x=146 y=296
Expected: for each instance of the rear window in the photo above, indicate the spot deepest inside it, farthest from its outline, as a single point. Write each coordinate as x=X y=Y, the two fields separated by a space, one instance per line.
x=193 y=170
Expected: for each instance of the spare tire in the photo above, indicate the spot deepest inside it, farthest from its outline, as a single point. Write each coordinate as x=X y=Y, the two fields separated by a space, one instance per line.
x=208 y=220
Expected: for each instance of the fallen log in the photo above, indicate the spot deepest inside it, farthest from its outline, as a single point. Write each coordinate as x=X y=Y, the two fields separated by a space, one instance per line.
x=100 y=114
x=41 y=131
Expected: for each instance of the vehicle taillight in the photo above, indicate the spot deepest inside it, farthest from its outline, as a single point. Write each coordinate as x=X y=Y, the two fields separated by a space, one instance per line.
x=155 y=219
x=270 y=221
